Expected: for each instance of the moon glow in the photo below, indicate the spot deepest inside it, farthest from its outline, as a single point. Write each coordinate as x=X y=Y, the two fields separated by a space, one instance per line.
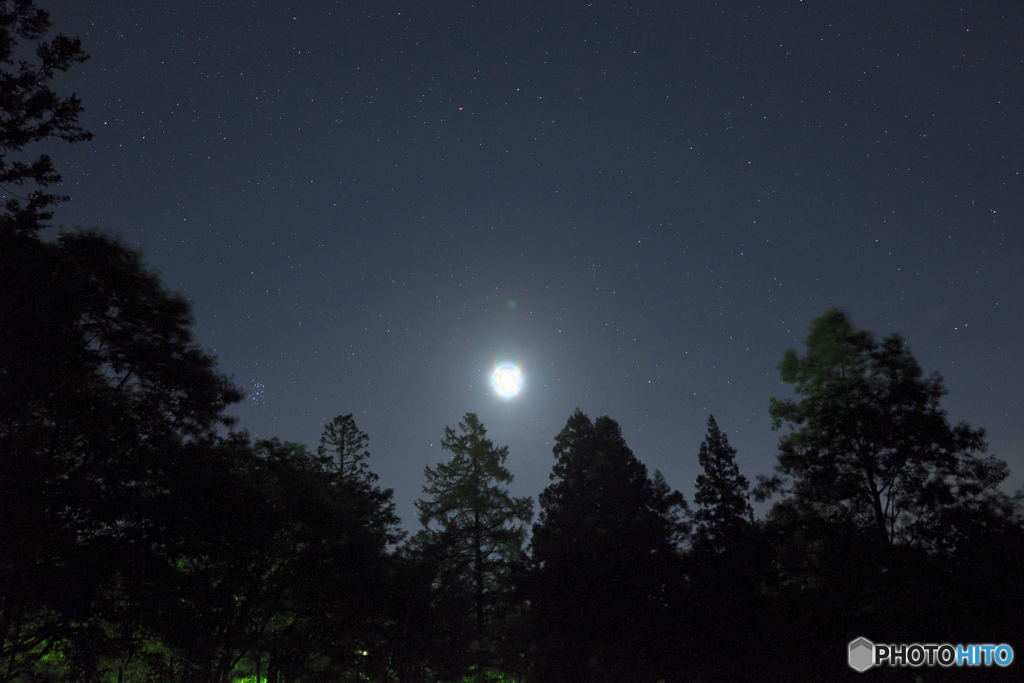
x=507 y=380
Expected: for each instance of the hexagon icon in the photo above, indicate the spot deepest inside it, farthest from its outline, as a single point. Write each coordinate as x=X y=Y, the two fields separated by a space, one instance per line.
x=861 y=654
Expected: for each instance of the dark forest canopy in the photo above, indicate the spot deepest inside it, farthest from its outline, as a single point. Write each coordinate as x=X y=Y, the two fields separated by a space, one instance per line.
x=144 y=538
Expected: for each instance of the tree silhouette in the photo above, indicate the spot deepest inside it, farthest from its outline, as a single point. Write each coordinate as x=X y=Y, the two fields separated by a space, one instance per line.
x=722 y=493
x=100 y=385
x=472 y=523
x=884 y=501
x=343 y=451
x=603 y=554
x=345 y=446
x=726 y=567
x=264 y=558
x=869 y=443
x=31 y=111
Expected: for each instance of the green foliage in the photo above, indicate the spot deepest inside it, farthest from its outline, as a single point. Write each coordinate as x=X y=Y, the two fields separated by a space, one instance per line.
x=888 y=509
x=142 y=540
x=868 y=441
x=264 y=554
x=473 y=484
x=41 y=546
x=100 y=383
x=473 y=533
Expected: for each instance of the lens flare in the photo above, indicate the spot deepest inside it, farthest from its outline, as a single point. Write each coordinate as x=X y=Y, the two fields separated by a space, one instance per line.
x=507 y=380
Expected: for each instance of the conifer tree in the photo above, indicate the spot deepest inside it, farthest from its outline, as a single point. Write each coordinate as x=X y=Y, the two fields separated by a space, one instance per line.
x=726 y=566
x=344 y=453
x=604 y=554
x=473 y=524
x=32 y=111
x=345 y=446
x=722 y=493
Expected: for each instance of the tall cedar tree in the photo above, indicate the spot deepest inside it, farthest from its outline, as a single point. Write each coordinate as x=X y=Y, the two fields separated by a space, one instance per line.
x=345 y=445
x=722 y=493
x=344 y=452
x=726 y=568
x=603 y=553
x=470 y=518
x=868 y=442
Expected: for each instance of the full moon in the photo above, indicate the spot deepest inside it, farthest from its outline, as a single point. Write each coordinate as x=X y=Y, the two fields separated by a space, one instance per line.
x=507 y=380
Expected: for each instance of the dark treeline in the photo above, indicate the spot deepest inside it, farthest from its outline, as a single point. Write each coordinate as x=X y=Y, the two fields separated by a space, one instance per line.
x=142 y=538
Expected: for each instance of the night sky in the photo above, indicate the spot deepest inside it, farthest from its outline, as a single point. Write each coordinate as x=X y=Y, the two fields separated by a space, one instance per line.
x=643 y=204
